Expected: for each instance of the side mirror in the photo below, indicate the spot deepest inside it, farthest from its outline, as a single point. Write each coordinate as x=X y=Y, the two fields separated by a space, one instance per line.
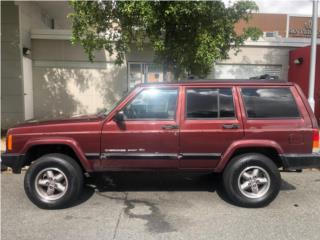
x=119 y=117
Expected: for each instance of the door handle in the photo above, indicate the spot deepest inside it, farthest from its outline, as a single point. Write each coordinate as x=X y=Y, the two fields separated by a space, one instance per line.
x=231 y=126
x=168 y=127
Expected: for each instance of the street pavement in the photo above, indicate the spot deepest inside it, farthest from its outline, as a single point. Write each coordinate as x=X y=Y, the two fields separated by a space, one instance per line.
x=155 y=205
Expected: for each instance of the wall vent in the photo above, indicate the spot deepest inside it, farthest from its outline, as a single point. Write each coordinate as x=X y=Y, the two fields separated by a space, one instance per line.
x=270 y=34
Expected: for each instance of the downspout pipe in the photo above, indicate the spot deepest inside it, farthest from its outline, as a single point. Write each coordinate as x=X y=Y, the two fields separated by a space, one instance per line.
x=312 y=70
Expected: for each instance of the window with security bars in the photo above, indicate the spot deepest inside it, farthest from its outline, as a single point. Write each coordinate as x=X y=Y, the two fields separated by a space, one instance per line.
x=139 y=72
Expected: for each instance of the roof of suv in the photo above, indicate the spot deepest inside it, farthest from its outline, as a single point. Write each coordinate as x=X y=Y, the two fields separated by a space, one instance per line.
x=224 y=82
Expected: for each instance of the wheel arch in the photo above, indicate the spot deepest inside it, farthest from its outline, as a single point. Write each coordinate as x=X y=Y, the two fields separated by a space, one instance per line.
x=34 y=149
x=268 y=148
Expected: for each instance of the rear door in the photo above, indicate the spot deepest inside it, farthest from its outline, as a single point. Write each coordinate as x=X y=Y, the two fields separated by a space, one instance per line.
x=210 y=122
x=277 y=113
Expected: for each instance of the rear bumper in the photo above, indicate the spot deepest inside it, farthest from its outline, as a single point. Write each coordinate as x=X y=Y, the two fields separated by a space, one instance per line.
x=301 y=161
x=12 y=160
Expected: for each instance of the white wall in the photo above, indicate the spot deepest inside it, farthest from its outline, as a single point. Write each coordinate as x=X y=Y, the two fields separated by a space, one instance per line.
x=66 y=83
x=18 y=18
x=31 y=17
x=59 y=11
x=259 y=57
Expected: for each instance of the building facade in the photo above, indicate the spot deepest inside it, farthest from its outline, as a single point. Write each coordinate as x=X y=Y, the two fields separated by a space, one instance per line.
x=45 y=76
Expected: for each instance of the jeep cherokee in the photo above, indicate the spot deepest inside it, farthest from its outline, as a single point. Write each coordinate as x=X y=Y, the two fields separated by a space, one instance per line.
x=245 y=130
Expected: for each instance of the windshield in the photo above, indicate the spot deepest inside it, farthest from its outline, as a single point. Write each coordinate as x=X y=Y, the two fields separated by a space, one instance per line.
x=105 y=112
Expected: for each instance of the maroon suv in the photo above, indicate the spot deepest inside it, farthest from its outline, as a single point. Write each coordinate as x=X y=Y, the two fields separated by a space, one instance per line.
x=245 y=129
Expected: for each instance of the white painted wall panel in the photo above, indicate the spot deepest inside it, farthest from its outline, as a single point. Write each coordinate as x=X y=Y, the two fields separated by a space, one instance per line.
x=65 y=91
x=65 y=83
x=243 y=71
x=250 y=55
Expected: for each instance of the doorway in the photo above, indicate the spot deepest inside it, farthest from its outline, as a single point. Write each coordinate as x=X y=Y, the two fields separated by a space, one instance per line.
x=27 y=88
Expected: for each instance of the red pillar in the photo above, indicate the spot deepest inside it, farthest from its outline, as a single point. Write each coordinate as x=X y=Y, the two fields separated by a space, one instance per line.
x=299 y=73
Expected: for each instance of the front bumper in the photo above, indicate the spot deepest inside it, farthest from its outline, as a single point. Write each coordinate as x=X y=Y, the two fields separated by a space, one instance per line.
x=301 y=161
x=13 y=160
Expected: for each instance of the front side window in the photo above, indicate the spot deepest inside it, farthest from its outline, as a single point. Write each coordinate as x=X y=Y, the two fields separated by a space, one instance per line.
x=269 y=103
x=209 y=103
x=153 y=104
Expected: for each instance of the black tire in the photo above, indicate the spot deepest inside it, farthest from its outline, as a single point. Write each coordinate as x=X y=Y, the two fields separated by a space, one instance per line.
x=73 y=176
x=248 y=161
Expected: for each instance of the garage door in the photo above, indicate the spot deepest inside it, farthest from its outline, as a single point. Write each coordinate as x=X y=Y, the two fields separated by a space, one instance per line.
x=243 y=71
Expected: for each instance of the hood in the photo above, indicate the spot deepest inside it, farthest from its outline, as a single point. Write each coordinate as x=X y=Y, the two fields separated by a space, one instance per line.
x=73 y=119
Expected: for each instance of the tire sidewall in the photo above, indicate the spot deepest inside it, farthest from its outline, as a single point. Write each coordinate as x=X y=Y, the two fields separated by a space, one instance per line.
x=237 y=166
x=62 y=163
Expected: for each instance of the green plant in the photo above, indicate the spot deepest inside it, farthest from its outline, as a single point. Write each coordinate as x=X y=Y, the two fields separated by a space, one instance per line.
x=187 y=36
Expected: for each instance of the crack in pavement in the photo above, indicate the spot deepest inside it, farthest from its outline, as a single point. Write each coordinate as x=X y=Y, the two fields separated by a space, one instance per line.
x=118 y=220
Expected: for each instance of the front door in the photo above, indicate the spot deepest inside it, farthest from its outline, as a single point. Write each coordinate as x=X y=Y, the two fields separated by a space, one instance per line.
x=148 y=136
x=209 y=124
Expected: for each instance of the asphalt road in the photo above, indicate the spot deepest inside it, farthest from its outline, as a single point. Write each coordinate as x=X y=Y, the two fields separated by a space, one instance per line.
x=163 y=206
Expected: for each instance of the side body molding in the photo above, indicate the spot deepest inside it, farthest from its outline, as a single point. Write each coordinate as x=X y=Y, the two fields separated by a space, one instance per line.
x=250 y=143
x=74 y=145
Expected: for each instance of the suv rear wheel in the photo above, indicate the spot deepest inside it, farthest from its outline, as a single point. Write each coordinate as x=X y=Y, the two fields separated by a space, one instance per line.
x=251 y=180
x=53 y=181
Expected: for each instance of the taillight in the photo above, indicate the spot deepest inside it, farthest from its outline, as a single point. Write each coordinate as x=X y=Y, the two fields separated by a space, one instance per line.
x=9 y=142
x=315 y=142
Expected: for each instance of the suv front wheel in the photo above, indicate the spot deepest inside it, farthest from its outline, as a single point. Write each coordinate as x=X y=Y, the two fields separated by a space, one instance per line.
x=251 y=180
x=53 y=181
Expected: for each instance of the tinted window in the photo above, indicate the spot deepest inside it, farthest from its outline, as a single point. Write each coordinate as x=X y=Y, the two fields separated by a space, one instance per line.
x=210 y=103
x=269 y=103
x=153 y=104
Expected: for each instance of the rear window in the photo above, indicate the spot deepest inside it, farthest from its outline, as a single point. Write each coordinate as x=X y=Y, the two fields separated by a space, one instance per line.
x=209 y=103
x=269 y=103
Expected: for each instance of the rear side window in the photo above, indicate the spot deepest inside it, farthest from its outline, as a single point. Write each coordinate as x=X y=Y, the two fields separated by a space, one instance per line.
x=209 y=103
x=269 y=103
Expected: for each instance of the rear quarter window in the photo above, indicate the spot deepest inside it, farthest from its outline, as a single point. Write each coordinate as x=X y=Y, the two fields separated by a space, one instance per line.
x=276 y=103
